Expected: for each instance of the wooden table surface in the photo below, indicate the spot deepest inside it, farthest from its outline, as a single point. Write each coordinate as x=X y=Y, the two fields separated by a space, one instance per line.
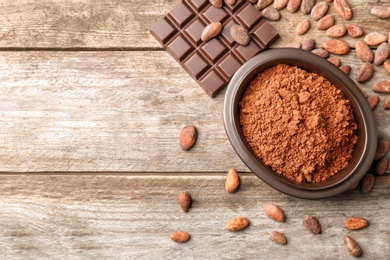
x=91 y=108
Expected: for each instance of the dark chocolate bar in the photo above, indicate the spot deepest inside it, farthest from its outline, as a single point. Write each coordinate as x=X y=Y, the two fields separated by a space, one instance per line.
x=212 y=63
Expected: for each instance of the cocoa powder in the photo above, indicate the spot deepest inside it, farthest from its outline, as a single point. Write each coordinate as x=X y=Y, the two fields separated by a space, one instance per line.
x=298 y=123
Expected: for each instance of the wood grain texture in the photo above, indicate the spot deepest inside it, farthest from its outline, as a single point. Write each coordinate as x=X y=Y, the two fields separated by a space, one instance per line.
x=126 y=23
x=122 y=217
x=113 y=111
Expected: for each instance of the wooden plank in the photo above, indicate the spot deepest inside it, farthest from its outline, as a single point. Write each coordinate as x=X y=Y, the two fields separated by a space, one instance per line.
x=125 y=24
x=114 y=111
x=121 y=217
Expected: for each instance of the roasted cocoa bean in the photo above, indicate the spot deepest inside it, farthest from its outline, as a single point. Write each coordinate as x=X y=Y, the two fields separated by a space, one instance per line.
x=381 y=86
x=325 y=22
x=216 y=3
x=211 y=31
x=346 y=69
x=335 y=61
x=365 y=72
x=382 y=53
x=354 y=30
x=312 y=224
x=240 y=34
x=336 y=47
x=381 y=166
x=382 y=149
x=319 y=10
x=367 y=183
x=293 y=5
x=278 y=237
x=321 y=52
x=303 y=27
x=336 y=31
x=381 y=11
x=343 y=9
x=188 y=137
x=308 y=45
x=351 y=245
x=261 y=4
x=355 y=223
x=271 y=13
x=375 y=38
x=307 y=5
x=274 y=212
x=363 y=51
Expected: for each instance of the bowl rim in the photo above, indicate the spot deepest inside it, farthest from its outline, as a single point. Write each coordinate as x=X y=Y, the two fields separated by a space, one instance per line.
x=252 y=162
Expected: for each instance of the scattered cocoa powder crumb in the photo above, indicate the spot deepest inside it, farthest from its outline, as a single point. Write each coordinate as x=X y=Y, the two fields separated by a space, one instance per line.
x=298 y=123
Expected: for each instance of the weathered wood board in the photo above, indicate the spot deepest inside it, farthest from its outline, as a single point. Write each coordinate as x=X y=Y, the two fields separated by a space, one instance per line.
x=131 y=217
x=113 y=111
x=126 y=24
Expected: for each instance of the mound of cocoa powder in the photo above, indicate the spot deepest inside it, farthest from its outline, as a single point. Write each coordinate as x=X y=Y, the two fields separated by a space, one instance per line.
x=298 y=123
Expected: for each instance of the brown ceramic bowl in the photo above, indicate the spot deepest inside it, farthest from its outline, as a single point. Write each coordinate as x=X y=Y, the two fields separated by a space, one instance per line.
x=364 y=151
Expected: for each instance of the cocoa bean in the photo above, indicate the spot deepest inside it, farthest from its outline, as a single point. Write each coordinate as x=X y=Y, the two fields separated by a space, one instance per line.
x=354 y=30
x=386 y=65
x=188 y=137
x=336 y=47
x=237 y=224
x=381 y=87
x=329 y=1
x=375 y=38
x=381 y=11
x=319 y=10
x=240 y=34
x=365 y=72
x=232 y=181
x=211 y=31
x=180 y=236
x=367 y=183
x=336 y=31
x=381 y=166
x=325 y=22
x=278 y=237
x=363 y=51
x=373 y=100
x=355 y=223
x=230 y=2
x=308 y=45
x=280 y=4
x=271 y=13
x=351 y=245
x=293 y=5
x=303 y=27
x=184 y=201
x=335 y=61
x=343 y=9
x=382 y=149
x=252 y=1
x=274 y=212
x=261 y=4
x=216 y=3
x=321 y=52
x=346 y=69
x=312 y=224
x=307 y=5
x=382 y=53
x=386 y=105
x=296 y=45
